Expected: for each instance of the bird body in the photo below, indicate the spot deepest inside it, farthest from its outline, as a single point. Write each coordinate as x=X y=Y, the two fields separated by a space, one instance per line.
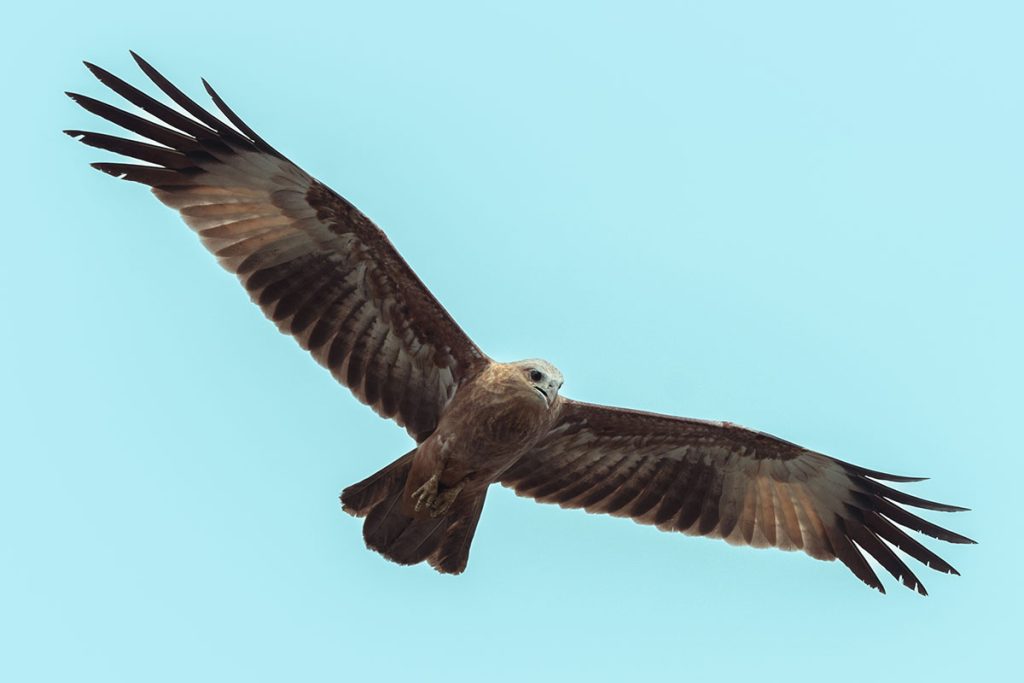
x=489 y=424
x=330 y=278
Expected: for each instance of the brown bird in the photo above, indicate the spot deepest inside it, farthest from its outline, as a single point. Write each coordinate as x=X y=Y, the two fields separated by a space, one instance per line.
x=325 y=274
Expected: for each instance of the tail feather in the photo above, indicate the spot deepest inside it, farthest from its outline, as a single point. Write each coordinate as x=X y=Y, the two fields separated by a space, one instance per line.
x=418 y=542
x=358 y=499
x=408 y=539
x=453 y=554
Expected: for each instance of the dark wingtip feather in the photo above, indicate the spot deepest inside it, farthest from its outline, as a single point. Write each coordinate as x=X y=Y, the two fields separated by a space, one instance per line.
x=143 y=64
x=226 y=132
x=110 y=168
x=912 y=521
x=907 y=499
x=237 y=121
x=170 y=117
x=151 y=72
x=868 y=483
x=154 y=154
x=154 y=176
x=106 y=167
x=97 y=71
x=884 y=476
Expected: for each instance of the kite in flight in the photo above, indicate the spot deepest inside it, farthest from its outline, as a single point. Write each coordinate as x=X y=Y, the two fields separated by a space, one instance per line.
x=325 y=274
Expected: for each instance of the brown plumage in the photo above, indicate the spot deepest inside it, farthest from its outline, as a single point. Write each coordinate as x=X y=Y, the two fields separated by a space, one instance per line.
x=325 y=274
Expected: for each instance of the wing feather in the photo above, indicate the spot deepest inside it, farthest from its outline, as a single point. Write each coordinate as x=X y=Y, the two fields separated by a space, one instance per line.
x=318 y=268
x=723 y=481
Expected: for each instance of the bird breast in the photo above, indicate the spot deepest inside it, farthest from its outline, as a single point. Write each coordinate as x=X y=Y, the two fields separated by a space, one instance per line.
x=495 y=418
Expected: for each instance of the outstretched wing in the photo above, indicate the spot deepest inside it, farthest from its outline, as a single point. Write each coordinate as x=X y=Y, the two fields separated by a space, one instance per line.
x=724 y=481
x=320 y=269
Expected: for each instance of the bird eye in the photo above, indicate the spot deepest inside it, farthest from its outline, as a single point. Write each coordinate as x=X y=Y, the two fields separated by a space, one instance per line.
x=536 y=375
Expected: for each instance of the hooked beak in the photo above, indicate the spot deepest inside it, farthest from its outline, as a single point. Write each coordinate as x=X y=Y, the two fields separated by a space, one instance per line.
x=544 y=394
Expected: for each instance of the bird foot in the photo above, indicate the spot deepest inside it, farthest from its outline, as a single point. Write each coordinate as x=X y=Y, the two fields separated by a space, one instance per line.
x=444 y=501
x=428 y=498
x=426 y=494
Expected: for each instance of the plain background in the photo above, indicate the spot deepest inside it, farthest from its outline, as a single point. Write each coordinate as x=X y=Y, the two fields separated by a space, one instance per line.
x=802 y=219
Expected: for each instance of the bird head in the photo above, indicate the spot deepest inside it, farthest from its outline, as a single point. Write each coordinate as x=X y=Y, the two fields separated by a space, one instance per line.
x=543 y=378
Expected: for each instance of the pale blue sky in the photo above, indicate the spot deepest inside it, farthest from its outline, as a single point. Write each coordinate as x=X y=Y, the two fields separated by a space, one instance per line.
x=802 y=219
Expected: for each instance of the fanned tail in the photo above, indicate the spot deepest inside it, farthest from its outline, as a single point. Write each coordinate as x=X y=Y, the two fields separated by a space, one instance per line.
x=358 y=499
x=406 y=538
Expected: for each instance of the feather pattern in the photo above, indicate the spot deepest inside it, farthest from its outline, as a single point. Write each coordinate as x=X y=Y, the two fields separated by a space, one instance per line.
x=720 y=480
x=319 y=268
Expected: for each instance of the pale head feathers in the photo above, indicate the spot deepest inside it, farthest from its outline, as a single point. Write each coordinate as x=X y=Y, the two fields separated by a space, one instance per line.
x=544 y=377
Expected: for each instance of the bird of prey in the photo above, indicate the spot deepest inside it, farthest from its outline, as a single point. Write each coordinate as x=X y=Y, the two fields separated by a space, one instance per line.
x=329 y=277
